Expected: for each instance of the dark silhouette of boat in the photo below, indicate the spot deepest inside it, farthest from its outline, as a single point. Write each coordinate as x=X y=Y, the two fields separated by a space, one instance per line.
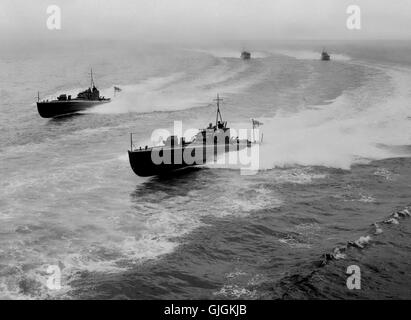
x=177 y=154
x=245 y=55
x=325 y=56
x=65 y=104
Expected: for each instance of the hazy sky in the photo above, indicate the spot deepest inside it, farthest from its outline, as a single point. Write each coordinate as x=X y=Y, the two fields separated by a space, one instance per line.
x=204 y=20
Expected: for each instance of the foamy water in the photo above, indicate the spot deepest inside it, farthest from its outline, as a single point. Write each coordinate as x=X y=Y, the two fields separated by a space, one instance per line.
x=310 y=55
x=334 y=159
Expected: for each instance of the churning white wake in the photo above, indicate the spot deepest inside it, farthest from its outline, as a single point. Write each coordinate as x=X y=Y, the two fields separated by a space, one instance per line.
x=371 y=122
x=310 y=55
x=361 y=125
x=182 y=90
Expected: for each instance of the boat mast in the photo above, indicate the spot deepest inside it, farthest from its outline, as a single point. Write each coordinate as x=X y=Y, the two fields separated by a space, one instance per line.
x=91 y=79
x=218 y=110
x=252 y=120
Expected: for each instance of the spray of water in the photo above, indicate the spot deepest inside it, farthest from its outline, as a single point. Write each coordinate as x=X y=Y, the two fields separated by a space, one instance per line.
x=357 y=127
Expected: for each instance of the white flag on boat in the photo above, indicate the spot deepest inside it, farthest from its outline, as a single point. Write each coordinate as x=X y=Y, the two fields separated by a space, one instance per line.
x=255 y=132
x=256 y=123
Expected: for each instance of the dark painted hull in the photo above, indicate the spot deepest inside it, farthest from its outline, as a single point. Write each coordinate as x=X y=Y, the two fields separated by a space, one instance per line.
x=245 y=55
x=143 y=165
x=53 y=109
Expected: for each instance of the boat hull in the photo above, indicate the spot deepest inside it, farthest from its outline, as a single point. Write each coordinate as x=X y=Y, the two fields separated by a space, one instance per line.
x=144 y=163
x=51 y=109
x=325 y=57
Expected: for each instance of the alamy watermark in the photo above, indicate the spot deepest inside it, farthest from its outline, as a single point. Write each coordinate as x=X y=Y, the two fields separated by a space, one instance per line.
x=354 y=19
x=225 y=147
x=53 y=21
x=354 y=280
x=54 y=278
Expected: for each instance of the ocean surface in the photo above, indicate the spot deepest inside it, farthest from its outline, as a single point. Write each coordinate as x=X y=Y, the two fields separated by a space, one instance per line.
x=335 y=168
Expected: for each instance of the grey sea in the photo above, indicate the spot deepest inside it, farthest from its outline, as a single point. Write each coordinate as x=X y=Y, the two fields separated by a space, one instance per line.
x=334 y=168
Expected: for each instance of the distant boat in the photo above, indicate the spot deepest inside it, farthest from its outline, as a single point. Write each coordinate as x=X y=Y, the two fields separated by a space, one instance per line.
x=245 y=55
x=325 y=56
x=64 y=104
